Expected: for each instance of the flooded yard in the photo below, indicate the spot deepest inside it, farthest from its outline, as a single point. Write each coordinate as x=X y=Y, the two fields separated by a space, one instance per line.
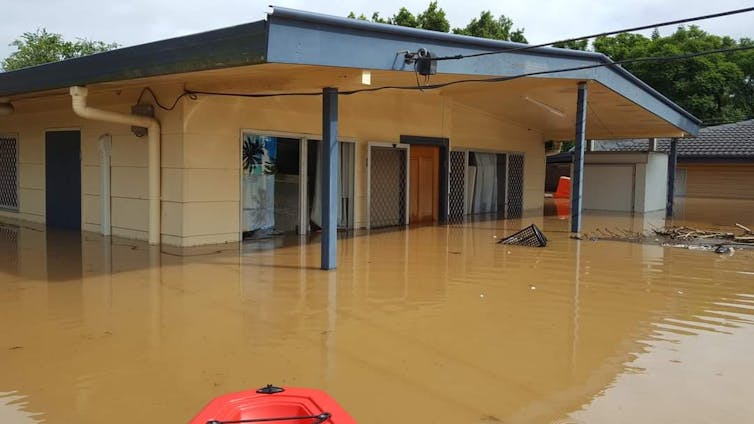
x=430 y=325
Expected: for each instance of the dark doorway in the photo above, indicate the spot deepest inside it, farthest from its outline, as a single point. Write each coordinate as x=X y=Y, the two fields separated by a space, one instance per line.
x=502 y=171
x=63 y=179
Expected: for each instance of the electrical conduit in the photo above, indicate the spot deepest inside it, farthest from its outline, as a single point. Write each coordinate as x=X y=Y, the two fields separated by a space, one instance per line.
x=78 y=101
x=105 y=150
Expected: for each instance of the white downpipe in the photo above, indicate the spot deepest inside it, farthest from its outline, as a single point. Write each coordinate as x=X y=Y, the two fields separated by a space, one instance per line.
x=78 y=101
x=105 y=150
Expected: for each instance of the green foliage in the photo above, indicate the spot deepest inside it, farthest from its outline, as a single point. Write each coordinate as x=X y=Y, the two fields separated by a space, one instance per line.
x=36 y=48
x=376 y=18
x=405 y=18
x=716 y=88
x=567 y=146
x=486 y=26
x=573 y=45
x=622 y=46
x=433 y=19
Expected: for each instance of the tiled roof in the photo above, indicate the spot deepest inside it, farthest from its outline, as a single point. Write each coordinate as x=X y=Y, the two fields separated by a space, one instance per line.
x=728 y=141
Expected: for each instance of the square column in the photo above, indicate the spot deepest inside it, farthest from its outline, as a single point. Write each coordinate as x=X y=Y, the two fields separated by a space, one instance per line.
x=577 y=186
x=672 y=161
x=329 y=178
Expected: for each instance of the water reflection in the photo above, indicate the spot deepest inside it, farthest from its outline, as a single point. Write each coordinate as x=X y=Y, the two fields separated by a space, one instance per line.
x=440 y=324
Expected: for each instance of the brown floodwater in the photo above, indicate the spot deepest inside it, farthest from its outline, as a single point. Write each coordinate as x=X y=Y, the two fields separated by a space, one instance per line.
x=430 y=325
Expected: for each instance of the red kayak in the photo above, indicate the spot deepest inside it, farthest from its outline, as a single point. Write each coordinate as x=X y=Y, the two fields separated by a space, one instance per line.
x=272 y=404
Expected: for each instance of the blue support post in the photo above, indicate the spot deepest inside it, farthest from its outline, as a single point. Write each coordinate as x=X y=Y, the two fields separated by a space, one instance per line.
x=672 y=160
x=329 y=178
x=577 y=188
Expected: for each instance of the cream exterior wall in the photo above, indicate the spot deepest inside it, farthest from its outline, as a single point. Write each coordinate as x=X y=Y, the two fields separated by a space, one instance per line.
x=34 y=117
x=201 y=159
x=213 y=126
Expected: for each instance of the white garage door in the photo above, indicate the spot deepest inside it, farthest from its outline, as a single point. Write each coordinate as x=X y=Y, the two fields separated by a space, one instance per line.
x=609 y=187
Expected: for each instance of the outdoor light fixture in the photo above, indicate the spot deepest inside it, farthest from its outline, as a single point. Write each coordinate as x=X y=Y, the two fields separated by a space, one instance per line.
x=545 y=106
x=6 y=108
x=366 y=77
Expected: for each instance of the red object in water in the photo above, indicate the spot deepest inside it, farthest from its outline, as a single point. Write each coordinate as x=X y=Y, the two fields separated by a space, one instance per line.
x=270 y=404
x=564 y=188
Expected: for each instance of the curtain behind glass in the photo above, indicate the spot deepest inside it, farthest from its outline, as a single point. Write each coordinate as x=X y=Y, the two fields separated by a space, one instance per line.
x=345 y=185
x=485 y=184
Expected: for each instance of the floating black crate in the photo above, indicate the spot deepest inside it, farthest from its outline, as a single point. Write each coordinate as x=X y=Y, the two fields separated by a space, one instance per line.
x=530 y=236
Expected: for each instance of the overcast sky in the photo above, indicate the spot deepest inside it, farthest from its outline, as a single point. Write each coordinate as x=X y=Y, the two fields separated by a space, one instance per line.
x=138 y=21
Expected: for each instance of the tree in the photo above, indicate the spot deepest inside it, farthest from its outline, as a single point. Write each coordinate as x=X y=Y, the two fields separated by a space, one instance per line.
x=486 y=26
x=573 y=44
x=433 y=19
x=404 y=18
x=745 y=61
x=715 y=88
x=36 y=48
x=377 y=18
x=622 y=46
x=360 y=17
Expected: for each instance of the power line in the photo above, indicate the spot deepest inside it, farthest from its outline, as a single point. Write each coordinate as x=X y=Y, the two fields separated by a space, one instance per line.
x=586 y=37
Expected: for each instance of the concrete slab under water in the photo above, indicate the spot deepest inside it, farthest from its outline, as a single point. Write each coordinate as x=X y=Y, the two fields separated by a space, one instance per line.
x=433 y=324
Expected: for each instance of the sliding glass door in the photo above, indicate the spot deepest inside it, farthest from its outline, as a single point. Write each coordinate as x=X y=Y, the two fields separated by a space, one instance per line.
x=281 y=192
x=270 y=182
x=346 y=156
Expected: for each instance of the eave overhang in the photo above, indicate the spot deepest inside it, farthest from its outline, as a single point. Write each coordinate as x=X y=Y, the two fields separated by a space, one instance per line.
x=295 y=37
x=298 y=37
x=239 y=45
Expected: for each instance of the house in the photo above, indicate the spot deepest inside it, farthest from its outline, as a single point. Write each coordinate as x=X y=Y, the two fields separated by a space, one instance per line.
x=717 y=163
x=217 y=136
x=616 y=181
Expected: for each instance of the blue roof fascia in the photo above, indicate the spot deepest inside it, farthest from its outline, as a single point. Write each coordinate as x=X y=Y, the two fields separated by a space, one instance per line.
x=299 y=37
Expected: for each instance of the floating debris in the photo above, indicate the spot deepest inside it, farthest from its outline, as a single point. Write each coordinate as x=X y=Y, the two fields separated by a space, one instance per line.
x=724 y=250
x=721 y=242
x=530 y=236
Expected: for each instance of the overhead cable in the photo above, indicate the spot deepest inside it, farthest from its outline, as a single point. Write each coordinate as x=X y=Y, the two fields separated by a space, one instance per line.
x=586 y=37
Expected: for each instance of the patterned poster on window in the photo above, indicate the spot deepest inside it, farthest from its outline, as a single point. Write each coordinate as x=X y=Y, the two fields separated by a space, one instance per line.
x=259 y=154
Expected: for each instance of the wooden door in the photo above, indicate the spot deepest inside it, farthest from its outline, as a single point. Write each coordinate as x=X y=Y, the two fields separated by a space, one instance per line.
x=424 y=184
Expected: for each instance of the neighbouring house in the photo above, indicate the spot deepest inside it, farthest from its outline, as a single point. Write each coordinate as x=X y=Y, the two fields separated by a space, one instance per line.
x=228 y=127
x=633 y=181
x=717 y=163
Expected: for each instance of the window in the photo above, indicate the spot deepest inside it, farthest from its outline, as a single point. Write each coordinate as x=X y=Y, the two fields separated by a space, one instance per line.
x=8 y=172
